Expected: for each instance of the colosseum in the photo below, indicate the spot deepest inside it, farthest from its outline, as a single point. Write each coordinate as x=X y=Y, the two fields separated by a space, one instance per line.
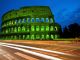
x=30 y=23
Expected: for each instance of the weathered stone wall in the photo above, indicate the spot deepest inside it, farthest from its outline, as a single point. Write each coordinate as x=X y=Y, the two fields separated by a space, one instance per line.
x=35 y=22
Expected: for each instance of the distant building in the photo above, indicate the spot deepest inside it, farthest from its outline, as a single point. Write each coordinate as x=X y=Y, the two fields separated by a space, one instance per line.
x=30 y=23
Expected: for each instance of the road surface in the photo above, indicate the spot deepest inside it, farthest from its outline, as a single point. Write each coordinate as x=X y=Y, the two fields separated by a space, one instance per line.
x=10 y=51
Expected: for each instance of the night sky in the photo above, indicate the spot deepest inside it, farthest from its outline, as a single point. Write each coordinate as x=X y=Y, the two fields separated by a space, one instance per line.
x=65 y=11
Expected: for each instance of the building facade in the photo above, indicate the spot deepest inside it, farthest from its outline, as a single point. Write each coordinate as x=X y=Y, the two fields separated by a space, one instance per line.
x=30 y=23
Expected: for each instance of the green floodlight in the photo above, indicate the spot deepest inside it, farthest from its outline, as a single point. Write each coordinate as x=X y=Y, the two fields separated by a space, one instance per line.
x=32 y=23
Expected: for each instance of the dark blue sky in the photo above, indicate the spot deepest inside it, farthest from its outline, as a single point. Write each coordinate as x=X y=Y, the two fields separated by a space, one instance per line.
x=65 y=11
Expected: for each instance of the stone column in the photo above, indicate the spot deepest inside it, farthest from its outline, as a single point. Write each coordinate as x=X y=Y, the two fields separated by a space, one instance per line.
x=17 y=28
x=34 y=28
x=44 y=28
x=40 y=27
x=22 y=20
x=13 y=21
x=49 y=29
x=26 y=20
x=30 y=28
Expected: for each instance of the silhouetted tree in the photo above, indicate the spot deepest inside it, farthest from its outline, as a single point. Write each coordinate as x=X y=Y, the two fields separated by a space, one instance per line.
x=72 y=31
x=65 y=33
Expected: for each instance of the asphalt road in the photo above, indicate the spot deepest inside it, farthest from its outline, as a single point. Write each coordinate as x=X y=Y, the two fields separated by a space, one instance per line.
x=10 y=51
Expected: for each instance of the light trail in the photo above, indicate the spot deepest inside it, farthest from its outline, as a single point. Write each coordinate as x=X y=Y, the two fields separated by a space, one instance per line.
x=29 y=47
x=33 y=53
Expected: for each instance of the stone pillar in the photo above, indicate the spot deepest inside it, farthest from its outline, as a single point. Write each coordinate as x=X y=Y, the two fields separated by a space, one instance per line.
x=17 y=28
x=13 y=29
x=21 y=28
x=13 y=22
x=34 y=28
x=40 y=27
x=22 y=20
x=44 y=28
x=49 y=28
x=26 y=20
x=19 y=21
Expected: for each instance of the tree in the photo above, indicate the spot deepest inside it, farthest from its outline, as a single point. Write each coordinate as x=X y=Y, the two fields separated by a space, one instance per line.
x=65 y=33
x=74 y=30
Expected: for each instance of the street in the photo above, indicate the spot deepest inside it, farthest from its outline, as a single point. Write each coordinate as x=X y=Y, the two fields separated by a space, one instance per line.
x=11 y=51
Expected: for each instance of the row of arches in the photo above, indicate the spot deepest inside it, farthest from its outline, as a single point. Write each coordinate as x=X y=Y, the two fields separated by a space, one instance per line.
x=27 y=20
x=32 y=37
x=33 y=28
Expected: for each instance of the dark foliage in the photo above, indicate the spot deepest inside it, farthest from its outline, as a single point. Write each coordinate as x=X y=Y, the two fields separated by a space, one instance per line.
x=72 y=31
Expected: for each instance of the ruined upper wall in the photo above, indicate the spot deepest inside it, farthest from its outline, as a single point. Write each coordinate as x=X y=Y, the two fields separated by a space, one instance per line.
x=30 y=11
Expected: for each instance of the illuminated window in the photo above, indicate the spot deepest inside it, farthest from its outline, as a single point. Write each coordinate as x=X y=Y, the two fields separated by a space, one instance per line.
x=32 y=28
x=23 y=36
x=37 y=37
x=42 y=28
x=47 y=28
x=37 y=20
x=47 y=20
x=42 y=36
x=52 y=37
x=16 y=21
x=56 y=28
x=15 y=29
x=51 y=20
x=28 y=19
x=37 y=28
x=12 y=22
x=12 y=30
x=25 y=19
x=32 y=20
x=19 y=21
x=27 y=36
x=32 y=36
x=42 y=19
x=23 y=28
x=6 y=30
x=19 y=29
x=47 y=36
x=51 y=28
x=56 y=36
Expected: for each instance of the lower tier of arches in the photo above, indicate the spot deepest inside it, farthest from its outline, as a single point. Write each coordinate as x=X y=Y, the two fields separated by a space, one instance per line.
x=30 y=37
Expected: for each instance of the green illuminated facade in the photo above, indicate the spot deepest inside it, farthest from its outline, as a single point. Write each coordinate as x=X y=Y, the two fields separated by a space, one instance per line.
x=30 y=23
